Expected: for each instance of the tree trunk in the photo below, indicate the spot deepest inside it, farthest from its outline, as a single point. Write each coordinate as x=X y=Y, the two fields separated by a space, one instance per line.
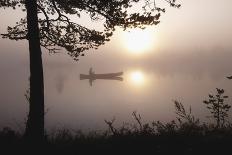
x=218 y=114
x=35 y=122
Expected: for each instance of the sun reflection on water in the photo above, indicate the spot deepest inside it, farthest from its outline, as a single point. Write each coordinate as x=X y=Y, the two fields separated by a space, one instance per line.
x=137 y=78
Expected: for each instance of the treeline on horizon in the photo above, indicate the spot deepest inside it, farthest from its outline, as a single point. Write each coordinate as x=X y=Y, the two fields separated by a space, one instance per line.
x=185 y=134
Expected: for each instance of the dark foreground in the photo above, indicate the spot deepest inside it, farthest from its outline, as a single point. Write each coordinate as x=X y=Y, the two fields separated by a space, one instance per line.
x=185 y=135
x=168 y=139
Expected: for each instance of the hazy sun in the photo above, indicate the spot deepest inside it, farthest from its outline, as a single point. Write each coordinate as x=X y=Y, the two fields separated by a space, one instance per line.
x=137 y=77
x=138 y=40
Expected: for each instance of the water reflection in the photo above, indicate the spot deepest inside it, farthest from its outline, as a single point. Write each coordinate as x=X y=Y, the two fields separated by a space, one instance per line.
x=137 y=78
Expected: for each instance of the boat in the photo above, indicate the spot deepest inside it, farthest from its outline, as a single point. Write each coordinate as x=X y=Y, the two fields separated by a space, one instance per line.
x=107 y=76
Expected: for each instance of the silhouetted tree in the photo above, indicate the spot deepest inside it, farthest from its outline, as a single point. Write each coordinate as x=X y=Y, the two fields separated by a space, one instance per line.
x=217 y=106
x=48 y=24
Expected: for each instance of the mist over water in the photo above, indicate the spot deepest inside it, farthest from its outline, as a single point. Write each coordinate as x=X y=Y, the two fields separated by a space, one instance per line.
x=191 y=57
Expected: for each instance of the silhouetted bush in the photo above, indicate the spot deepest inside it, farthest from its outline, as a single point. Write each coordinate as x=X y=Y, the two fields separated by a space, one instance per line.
x=218 y=108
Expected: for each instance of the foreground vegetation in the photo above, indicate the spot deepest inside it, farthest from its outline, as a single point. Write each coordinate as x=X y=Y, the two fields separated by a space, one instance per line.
x=184 y=135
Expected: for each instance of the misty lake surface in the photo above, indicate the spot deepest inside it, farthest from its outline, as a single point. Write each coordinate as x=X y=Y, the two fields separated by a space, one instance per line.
x=150 y=85
x=189 y=57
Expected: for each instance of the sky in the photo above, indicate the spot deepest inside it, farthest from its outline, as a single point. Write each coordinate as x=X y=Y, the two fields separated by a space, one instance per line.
x=187 y=56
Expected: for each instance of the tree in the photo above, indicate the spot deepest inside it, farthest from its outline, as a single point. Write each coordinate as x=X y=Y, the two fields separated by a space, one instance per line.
x=48 y=24
x=217 y=106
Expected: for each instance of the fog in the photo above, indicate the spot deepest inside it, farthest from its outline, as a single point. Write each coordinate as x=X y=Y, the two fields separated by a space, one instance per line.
x=191 y=56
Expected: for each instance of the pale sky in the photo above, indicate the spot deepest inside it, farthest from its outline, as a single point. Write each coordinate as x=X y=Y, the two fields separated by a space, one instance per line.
x=189 y=56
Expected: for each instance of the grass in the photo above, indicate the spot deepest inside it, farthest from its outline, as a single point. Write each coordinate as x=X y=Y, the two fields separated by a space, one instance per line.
x=182 y=137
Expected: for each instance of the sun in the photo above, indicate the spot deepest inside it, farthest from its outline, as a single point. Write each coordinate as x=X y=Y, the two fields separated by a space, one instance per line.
x=137 y=78
x=138 y=40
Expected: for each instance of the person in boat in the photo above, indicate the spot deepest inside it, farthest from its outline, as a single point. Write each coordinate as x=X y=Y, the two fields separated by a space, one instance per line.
x=108 y=76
